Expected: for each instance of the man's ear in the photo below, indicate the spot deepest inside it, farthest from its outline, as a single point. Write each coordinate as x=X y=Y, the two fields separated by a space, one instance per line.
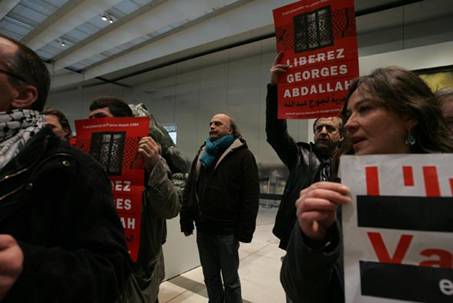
x=26 y=96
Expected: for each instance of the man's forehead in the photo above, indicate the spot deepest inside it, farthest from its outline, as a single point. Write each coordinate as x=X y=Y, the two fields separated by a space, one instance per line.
x=220 y=117
x=328 y=121
x=104 y=110
x=7 y=47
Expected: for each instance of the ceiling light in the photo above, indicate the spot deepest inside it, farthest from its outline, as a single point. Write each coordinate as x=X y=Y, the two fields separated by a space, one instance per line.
x=104 y=18
x=110 y=20
x=63 y=44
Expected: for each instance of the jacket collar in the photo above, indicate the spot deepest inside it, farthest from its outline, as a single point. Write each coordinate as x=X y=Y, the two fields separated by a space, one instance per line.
x=237 y=143
x=31 y=153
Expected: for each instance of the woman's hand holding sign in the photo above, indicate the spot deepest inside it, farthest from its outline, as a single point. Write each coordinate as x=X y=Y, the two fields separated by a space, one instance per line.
x=316 y=207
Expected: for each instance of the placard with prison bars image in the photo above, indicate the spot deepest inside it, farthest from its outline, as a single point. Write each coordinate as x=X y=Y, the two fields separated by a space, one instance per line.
x=108 y=149
x=313 y=30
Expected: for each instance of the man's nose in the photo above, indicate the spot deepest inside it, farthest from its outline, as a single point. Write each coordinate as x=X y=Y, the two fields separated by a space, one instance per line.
x=323 y=130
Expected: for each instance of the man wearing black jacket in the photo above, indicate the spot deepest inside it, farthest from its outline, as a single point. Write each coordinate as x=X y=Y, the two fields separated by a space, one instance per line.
x=307 y=162
x=221 y=197
x=60 y=237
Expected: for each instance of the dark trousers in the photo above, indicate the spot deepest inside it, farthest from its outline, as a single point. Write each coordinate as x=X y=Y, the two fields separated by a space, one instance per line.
x=219 y=255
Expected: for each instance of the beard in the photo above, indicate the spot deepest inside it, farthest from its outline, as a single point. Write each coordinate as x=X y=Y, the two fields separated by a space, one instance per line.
x=325 y=147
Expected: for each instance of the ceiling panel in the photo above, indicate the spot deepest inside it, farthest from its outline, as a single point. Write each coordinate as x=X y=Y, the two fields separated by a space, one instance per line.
x=148 y=33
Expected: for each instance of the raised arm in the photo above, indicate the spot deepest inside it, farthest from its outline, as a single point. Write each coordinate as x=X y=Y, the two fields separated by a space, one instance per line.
x=276 y=129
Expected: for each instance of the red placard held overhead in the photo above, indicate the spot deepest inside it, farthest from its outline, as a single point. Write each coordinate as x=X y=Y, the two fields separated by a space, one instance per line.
x=318 y=42
x=114 y=143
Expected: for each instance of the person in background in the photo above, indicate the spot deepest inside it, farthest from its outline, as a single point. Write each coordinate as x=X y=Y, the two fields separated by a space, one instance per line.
x=171 y=154
x=446 y=99
x=306 y=162
x=390 y=111
x=221 y=197
x=160 y=202
x=58 y=122
x=60 y=237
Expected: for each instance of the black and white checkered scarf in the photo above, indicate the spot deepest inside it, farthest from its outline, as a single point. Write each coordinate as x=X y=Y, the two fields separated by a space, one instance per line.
x=16 y=128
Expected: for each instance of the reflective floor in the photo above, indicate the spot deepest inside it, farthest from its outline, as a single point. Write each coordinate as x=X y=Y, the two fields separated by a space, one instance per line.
x=259 y=270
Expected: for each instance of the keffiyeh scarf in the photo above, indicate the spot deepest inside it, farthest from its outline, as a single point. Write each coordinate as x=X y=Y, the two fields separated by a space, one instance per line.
x=16 y=128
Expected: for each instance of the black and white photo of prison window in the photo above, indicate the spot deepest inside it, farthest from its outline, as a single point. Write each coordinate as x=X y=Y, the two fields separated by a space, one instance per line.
x=313 y=30
x=108 y=149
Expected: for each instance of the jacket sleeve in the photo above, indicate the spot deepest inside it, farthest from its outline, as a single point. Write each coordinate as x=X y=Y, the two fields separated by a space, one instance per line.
x=188 y=207
x=312 y=275
x=161 y=193
x=250 y=198
x=85 y=258
x=277 y=131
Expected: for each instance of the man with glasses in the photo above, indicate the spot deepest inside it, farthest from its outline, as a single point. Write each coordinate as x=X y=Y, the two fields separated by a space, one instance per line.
x=60 y=237
x=307 y=162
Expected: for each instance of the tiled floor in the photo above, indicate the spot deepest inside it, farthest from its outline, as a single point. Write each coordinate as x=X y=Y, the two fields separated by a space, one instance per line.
x=259 y=270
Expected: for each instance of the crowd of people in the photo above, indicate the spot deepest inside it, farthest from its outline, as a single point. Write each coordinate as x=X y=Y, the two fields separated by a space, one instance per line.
x=61 y=239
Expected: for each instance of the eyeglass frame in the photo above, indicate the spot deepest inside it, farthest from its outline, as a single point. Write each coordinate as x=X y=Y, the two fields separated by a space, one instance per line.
x=13 y=75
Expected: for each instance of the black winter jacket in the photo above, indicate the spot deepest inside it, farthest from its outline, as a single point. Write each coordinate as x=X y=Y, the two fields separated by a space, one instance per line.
x=301 y=160
x=229 y=204
x=313 y=272
x=57 y=203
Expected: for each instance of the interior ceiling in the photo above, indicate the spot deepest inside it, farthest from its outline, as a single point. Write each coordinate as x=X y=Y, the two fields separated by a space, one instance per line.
x=138 y=35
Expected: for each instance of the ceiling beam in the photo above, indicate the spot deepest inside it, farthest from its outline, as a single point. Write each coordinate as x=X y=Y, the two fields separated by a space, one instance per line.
x=68 y=17
x=6 y=6
x=143 y=9
x=224 y=26
x=161 y=18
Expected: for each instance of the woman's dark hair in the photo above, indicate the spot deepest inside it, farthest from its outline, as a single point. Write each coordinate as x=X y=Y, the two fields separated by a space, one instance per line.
x=29 y=69
x=407 y=95
x=117 y=106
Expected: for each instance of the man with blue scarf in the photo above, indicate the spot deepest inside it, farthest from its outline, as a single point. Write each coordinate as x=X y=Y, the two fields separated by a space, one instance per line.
x=221 y=197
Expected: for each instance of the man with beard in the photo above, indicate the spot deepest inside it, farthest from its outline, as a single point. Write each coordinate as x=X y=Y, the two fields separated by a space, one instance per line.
x=307 y=162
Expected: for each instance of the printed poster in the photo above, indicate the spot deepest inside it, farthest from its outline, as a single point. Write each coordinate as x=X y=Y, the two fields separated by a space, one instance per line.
x=114 y=143
x=318 y=41
x=398 y=232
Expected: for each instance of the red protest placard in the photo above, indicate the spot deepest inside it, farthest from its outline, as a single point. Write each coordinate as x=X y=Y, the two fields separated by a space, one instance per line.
x=114 y=143
x=318 y=42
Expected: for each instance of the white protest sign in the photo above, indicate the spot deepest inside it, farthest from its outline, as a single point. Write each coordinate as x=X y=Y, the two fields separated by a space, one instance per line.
x=398 y=232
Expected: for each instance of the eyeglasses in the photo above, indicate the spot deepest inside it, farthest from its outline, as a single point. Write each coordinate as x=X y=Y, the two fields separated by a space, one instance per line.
x=13 y=75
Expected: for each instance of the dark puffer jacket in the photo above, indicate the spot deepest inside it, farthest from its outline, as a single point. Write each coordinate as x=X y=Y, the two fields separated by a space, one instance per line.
x=229 y=204
x=57 y=203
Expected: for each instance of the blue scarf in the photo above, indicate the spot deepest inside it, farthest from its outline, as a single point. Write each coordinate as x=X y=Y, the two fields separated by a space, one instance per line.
x=213 y=148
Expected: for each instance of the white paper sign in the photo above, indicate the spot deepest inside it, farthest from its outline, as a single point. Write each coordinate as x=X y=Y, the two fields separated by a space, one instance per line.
x=398 y=232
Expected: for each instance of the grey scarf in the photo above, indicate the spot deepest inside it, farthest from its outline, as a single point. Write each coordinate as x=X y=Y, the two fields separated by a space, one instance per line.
x=16 y=128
